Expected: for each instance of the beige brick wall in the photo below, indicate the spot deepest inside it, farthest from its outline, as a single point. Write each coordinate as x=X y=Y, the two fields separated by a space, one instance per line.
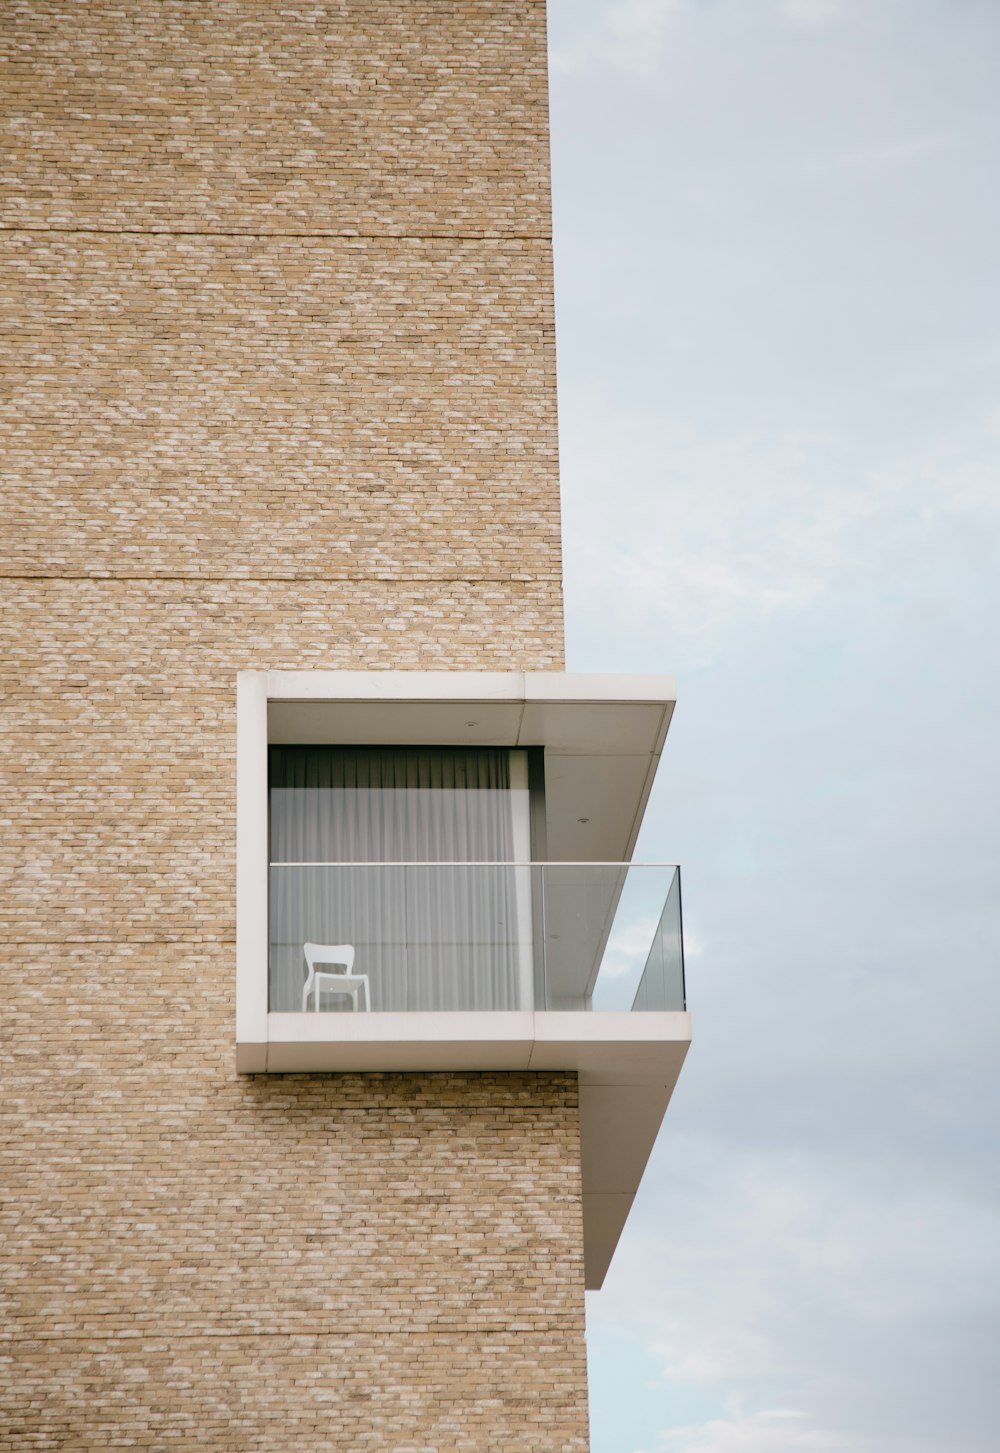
x=281 y=408
x=277 y=378
x=398 y=117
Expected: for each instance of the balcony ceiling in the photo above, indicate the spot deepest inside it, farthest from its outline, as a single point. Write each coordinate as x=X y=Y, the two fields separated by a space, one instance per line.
x=602 y=734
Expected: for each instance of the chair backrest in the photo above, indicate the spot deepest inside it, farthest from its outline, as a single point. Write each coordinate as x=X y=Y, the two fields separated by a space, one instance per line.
x=340 y=955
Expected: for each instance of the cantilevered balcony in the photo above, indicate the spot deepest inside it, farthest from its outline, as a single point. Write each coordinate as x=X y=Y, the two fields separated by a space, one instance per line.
x=390 y=919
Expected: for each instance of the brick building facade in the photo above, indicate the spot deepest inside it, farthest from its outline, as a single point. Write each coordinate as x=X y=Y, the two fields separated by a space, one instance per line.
x=279 y=392
x=279 y=397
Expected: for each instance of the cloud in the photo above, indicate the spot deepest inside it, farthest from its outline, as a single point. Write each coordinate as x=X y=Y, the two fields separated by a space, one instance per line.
x=629 y=36
x=628 y=947
x=730 y=528
x=623 y=35
x=794 y=1273
x=898 y=153
x=700 y=534
x=776 y=1430
x=810 y=14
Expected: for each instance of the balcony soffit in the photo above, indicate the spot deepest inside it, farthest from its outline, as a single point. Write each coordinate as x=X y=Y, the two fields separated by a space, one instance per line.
x=602 y=734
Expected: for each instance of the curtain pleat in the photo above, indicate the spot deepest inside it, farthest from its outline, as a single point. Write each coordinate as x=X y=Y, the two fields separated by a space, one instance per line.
x=429 y=937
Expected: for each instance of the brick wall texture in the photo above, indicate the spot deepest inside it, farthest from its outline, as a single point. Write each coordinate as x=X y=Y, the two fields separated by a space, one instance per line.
x=278 y=391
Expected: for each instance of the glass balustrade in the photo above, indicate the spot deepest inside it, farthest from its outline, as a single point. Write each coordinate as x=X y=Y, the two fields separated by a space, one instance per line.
x=346 y=937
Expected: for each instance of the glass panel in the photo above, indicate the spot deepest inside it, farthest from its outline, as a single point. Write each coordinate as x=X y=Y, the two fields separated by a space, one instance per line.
x=612 y=933
x=363 y=907
x=477 y=936
x=580 y=901
x=662 y=982
x=424 y=936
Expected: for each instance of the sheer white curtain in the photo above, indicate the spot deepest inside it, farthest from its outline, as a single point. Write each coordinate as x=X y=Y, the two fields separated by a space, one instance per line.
x=428 y=937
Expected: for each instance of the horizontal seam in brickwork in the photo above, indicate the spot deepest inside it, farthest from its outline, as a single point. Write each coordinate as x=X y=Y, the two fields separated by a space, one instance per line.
x=110 y=578
x=407 y=1109
x=451 y=1329
x=274 y=1077
x=432 y=1107
x=343 y=236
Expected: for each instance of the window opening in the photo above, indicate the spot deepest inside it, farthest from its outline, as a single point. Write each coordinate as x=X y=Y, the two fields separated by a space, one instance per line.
x=414 y=859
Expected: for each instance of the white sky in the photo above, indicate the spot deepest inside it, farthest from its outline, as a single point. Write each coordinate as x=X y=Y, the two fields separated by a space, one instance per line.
x=778 y=292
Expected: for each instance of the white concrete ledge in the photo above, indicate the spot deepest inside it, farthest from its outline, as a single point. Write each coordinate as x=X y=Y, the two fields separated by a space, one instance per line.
x=398 y=1041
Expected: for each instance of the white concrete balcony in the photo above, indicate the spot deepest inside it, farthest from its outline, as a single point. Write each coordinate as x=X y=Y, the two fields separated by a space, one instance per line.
x=509 y=965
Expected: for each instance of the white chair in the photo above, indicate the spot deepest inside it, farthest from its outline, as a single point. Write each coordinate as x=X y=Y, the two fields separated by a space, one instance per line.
x=338 y=980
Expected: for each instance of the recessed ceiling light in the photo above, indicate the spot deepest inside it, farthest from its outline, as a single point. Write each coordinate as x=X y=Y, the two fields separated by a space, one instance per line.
x=583 y=819
x=471 y=723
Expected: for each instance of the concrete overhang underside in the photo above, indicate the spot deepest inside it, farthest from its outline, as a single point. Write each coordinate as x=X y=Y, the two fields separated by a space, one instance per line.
x=627 y=1063
x=602 y=734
